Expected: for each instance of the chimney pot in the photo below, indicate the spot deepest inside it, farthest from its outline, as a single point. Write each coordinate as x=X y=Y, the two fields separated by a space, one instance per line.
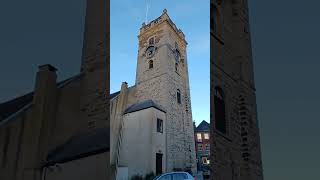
x=47 y=67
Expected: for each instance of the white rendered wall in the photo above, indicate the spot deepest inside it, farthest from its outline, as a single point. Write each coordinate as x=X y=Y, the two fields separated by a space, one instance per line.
x=141 y=142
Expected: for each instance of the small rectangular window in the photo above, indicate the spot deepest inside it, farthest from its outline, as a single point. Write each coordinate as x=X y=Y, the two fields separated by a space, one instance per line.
x=220 y=113
x=151 y=41
x=199 y=138
x=207 y=147
x=200 y=147
x=160 y=125
x=206 y=136
x=178 y=96
x=150 y=64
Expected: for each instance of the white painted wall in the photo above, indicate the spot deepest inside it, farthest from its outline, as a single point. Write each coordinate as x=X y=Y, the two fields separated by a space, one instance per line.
x=141 y=141
x=122 y=173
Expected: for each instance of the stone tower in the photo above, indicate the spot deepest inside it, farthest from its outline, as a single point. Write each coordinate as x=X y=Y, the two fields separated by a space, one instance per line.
x=94 y=86
x=162 y=76
x=236 y=153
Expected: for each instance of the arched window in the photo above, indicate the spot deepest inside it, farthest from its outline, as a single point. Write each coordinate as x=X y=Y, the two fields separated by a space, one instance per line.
x=178 y=96
x=151 y=41
x=177 y=56
x=150 y=64
x=219 y=108
x=176 y=66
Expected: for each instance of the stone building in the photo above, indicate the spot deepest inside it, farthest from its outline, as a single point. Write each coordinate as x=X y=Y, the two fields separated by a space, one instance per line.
x=61 y=129
x=236 y=153
x=162 y=91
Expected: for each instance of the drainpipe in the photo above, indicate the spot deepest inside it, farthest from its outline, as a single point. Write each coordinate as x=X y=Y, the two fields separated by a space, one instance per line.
x=44 y=173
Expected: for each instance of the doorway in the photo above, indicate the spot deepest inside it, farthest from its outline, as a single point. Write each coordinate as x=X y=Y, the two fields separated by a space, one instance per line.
x=158 y=163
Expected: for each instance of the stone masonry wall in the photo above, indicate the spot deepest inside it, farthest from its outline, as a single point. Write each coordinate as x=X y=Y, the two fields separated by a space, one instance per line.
x=94 y=91
x=161 y=83
x=236 y=155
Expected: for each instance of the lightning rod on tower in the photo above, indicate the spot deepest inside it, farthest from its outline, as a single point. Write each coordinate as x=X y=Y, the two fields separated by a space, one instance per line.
x=148 y=3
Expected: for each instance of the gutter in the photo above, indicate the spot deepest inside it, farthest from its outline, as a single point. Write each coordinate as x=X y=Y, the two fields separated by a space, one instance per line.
x=44 y=173
x=3 y=122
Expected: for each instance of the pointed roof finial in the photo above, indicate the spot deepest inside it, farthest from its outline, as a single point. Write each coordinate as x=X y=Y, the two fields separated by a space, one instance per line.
x=164 y=11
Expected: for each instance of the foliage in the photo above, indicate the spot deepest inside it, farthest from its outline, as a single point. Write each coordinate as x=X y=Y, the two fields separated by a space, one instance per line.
x=150 y=176
x=137 y=177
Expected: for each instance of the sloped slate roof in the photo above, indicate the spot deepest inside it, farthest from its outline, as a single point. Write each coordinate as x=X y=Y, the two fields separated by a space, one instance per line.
x=118 y=92
x=12 y=106
x=143 y=105
x=114 y=94
x=203 y=126
x=82 y=145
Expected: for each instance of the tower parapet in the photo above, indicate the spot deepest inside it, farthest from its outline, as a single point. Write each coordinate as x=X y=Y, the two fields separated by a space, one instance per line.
x=163 y=18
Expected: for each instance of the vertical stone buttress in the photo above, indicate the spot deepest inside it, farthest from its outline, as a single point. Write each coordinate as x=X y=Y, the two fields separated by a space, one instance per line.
x=116 y=128
x=38 y=130
x=94 y=82
x=161 y=83
x=236 y=154
x=251 y=168
x=120 y=105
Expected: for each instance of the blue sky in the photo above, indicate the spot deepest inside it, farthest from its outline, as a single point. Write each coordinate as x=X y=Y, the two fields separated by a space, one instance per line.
x=191 y=16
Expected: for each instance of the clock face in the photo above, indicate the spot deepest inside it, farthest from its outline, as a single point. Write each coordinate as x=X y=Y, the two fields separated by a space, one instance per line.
x=150 y=51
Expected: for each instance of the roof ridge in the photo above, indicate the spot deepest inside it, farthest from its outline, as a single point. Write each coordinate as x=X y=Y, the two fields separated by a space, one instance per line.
x=143 y=105
x=13 y=107
x=83 y=144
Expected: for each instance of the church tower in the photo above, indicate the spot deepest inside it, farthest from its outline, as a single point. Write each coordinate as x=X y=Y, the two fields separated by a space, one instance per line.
x=236 y=153
x=94 y=66
x=162 y=76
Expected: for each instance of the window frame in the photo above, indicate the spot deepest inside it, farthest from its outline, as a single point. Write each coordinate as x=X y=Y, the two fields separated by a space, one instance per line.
x=207 y=147
x=152 y=40
x=178 y=96
x=150 y=64
x=221 y=122
x=206 y=136
x=159 y=128
x=199 y=140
